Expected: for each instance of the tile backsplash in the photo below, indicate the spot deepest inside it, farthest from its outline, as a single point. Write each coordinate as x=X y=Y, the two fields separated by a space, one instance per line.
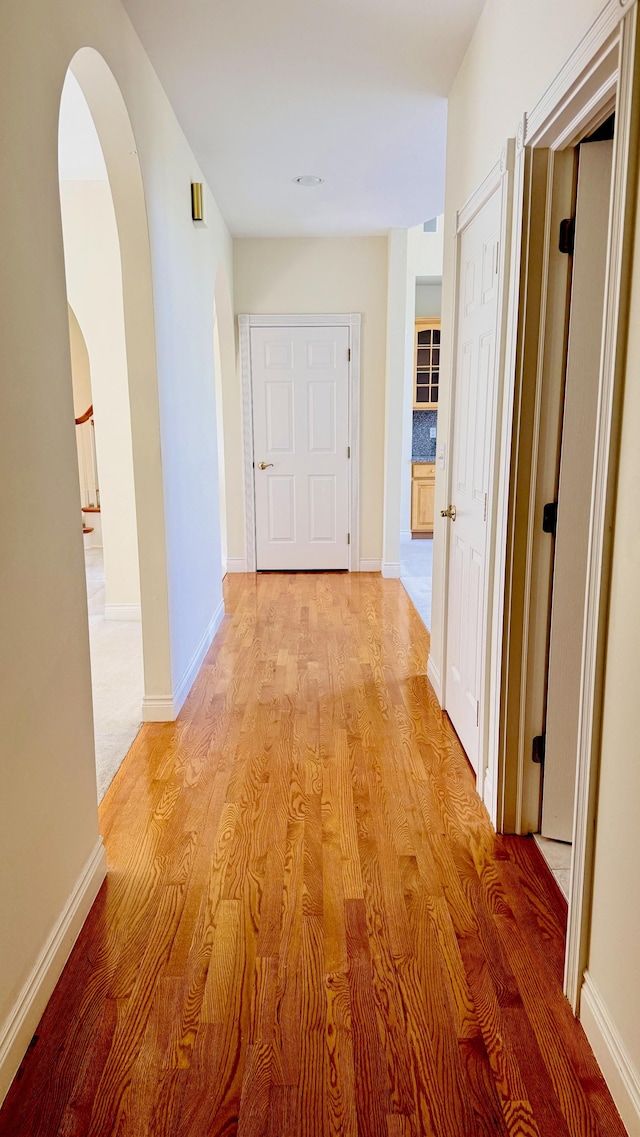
x=424 y=447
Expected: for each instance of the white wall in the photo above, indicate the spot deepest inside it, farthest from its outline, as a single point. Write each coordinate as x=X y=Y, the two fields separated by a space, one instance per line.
x=400 y=324
x=428 y=300
x=230 y=426
x=498 y=81
x=80 y=369
x=615 y=934
x=425 y=252
x=49 y=843
x=325 y=274
x=515 y=53
x=185 y=260
x=217 y=363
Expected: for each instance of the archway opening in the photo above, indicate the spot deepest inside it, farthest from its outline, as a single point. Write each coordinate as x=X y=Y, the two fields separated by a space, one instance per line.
x=103 y=432
x=108 y=273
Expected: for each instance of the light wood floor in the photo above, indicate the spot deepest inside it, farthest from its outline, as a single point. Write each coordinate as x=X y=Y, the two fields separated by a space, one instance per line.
x=309 y=927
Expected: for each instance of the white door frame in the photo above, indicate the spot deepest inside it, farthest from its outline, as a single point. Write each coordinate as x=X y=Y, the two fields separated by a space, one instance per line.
x=499 y=180
x=598 y=77
x=350 y=320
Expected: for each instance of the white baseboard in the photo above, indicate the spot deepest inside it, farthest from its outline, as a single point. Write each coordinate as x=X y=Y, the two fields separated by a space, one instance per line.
x=619 y=1071
x=488 y=799
x=405 y=534
x=17 y=1031
x=166 y=708
x=187 y=681
x=122 y=612
x=369 y=565
x=433 y=675
x=158 y=708
x=391 y=570
x=236 y=564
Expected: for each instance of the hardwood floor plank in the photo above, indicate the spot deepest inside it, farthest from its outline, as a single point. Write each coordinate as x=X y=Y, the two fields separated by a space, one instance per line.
x=340 y=1116
x=311 y=1009
x=152 y=1063
x=253 y=1119
x=346 y=759
x=221 y=962
x=77 y=1112
x=264 y=999
x=282 y=1111
x=485 y=1102
x=113 y=1090
x=400 y=1126
x=335 y=937
x=309 y=926
x=499 y=1045
x=165 y=1119
x=569 y=1066
x=373 y=1092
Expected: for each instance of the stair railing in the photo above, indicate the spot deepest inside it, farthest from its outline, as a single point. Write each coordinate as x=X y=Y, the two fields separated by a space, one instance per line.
x=85 y=433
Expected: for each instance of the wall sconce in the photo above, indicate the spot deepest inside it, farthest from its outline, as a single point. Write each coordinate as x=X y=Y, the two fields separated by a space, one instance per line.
x=197 y=212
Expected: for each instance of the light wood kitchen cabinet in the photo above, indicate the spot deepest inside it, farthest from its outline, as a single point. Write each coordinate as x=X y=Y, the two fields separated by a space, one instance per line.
x=426 y=365
x=423 y=487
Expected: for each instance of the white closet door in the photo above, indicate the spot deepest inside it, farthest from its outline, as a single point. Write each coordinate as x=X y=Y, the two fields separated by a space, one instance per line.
x=300 y=385
x=474 y=424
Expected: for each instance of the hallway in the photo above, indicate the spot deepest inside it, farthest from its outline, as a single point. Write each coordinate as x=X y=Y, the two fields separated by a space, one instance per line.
x=309 y=926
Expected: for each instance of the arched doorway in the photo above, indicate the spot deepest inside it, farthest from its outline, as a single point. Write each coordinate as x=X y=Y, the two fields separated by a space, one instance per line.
x=108 y=270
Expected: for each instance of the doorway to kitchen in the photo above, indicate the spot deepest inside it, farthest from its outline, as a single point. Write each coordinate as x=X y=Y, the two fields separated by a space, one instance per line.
x=416 y=544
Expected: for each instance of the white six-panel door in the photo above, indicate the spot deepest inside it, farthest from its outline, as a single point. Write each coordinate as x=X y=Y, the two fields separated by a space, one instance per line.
x=300 y=390
x=474 y=416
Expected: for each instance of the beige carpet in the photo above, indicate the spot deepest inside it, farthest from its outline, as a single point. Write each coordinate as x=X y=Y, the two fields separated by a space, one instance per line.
x=116 y=677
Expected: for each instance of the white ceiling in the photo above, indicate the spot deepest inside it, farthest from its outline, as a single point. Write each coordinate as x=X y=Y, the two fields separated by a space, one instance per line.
x=352 y=90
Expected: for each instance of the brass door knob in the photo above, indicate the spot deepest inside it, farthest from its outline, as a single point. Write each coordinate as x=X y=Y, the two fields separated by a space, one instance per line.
x=449 y=512
x=263 y=465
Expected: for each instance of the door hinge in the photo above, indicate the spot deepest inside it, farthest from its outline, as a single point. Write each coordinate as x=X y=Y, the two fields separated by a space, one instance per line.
x=567 y=236
x=550 y=518
x=348 y=451
x=477 y=712
x=538 y=748
x=348 y=538
x=485 y=508
x=349 y=355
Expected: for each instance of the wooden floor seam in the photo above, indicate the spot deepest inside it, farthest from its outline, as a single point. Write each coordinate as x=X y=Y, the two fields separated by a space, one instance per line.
x=309 y=927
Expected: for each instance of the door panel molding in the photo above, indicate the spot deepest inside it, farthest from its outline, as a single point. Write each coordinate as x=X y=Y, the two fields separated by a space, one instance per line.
x=498 y=180
x=350 y=320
